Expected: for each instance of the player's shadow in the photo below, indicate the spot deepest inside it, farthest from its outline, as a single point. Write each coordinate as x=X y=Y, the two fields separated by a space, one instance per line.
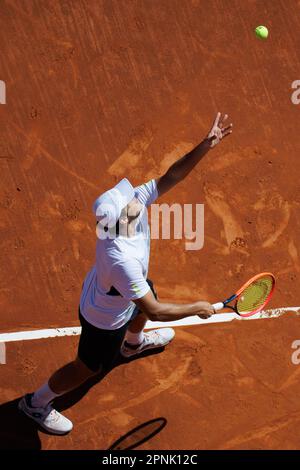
x=69 y=399
x=17 y=431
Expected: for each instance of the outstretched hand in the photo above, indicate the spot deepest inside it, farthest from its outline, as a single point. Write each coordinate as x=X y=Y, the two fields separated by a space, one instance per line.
x=218 y=130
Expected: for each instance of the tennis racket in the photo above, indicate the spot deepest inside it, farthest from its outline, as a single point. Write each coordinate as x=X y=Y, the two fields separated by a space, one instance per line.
x=251 y=297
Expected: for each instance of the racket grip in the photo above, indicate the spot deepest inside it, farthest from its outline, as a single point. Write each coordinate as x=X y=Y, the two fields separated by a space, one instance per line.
x=218 y=306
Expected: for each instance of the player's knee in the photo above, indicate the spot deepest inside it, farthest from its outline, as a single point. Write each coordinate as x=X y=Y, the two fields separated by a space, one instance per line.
x=83 y=370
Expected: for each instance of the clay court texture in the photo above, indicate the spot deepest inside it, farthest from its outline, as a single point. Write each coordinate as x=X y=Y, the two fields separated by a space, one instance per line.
x=101 y=90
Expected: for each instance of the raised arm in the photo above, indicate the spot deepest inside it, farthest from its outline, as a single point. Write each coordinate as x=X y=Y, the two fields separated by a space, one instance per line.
x=182 y=167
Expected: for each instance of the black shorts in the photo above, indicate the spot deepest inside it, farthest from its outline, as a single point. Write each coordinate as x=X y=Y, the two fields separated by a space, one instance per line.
x=98 y=349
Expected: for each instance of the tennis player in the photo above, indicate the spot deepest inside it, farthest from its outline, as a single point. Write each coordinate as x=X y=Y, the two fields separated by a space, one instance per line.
x=117 y=297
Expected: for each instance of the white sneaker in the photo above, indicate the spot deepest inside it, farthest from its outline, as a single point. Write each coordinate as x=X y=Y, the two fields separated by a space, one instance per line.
x=152 y=339
x=47 y=417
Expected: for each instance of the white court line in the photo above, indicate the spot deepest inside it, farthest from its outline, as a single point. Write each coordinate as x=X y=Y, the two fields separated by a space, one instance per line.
x=195 y=320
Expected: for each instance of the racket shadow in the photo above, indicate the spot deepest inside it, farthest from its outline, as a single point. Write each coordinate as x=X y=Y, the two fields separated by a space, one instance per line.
x=139 y=435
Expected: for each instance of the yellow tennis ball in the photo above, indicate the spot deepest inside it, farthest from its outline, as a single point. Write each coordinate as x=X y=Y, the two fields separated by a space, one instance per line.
x=262 y=32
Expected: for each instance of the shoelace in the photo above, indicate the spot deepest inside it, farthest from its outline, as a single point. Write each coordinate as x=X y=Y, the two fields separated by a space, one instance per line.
x=54 y=416
x=152 y=337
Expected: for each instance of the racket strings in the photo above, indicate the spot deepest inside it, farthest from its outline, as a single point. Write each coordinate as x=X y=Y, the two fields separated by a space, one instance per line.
x=255 y=295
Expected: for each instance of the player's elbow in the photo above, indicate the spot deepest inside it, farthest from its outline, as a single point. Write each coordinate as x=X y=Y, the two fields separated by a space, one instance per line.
x=153 y=315
x=158 y=313
x=150 y=306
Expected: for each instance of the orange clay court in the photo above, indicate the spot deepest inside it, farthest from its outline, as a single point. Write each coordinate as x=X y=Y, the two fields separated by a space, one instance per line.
x=101 y=90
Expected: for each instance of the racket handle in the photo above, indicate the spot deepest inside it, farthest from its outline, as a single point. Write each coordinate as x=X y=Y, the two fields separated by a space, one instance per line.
x=218 y=306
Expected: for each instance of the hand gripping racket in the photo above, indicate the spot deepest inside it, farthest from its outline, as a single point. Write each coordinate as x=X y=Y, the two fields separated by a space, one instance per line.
x=251 y=297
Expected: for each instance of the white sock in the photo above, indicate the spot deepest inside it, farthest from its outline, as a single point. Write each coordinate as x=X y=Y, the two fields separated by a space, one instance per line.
x=134 y=338
x=43 y=396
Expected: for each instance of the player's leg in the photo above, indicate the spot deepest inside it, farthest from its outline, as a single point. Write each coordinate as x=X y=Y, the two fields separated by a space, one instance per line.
x=70 y=377
x=135 y=333
x=37 y=405
x=97 y=351
x=137 y=340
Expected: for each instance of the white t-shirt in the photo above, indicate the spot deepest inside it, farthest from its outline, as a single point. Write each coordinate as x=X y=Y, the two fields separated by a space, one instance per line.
x=121 y=263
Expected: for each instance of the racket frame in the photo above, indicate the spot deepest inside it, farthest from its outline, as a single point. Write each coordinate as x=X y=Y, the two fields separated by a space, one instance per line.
x=220 y=305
